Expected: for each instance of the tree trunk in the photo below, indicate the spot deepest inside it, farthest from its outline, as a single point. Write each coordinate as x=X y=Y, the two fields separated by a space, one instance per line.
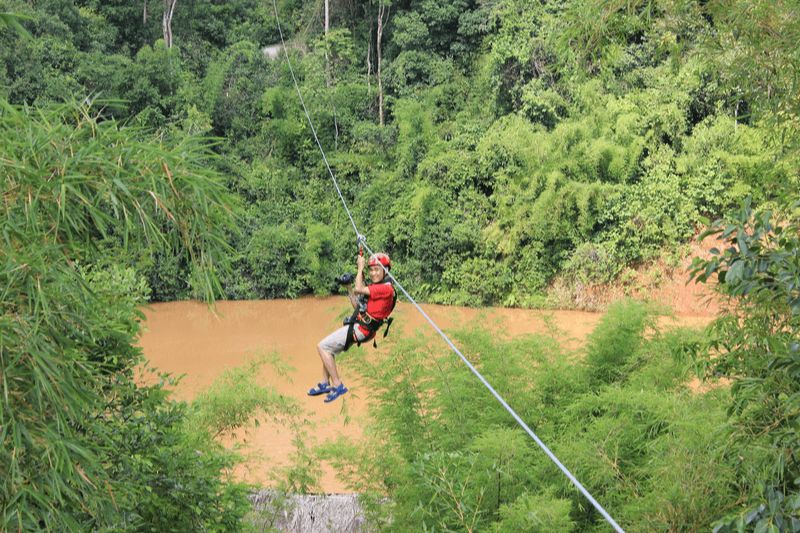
x=144 y=13
x=383 y=10
x=169 y=10
x=369 y=60
x=328 y=75
x=327 y=44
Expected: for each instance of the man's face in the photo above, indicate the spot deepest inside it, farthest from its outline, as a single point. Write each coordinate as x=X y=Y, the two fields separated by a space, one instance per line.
x=376 y=273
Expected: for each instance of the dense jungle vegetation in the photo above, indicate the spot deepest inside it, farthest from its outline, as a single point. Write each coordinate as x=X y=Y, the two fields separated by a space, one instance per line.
x=154 y=151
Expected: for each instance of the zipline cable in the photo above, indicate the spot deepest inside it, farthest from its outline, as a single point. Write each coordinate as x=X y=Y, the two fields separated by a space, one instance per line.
x=362 y=242
x=308 y=117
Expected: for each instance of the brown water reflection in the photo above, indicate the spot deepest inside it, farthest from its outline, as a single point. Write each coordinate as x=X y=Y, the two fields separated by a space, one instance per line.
x=187 y=338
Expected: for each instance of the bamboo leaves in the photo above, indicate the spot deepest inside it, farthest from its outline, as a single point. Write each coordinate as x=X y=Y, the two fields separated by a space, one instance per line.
x=71 y=178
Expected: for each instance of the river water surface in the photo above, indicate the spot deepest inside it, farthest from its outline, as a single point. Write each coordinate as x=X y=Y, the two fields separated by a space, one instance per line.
x=189 y=339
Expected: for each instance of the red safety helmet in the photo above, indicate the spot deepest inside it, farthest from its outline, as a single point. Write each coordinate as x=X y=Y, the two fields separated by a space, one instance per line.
x=380 y=258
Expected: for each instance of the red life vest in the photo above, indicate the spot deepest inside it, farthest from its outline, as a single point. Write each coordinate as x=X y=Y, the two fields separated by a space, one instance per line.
x=371 y=324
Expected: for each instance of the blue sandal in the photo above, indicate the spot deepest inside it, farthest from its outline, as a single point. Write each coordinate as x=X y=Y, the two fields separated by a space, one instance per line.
x=335 y=393
x=321 y=388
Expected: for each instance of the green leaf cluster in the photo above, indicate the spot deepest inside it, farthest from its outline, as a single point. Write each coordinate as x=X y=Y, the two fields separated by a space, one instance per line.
x=620 y=416
x=755 y=344
x=83 y=446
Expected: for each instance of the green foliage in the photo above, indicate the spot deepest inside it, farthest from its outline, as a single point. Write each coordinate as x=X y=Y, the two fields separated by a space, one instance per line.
x=451 y=30
x=165 y=478
x=148 y=447
x=167 y=276
x=340 y=52
x=534 y=514
x=170 y=448
x=104 y=76
x=232 y=91
x=318 y=257
x=152 y=83
x=453 y=459
x=597 y=34
x=410 y=31
x=592 y=263
x=542 y=105
x=609 y=134
x=616 y=341
x=273 y=257
x=302 y=475
x=285 y=128
x=131 y=31
x=476 y=281
x=63 y=44
x=12 y=21
x=413 y=70
x=754 y=50
x=524 y=141
x=451 y=170
x=72 y=411
x=235 y=399
x=518 y=51
x=433 y=235
x=221 y=24
x=114 y=352
x=38 y=69
x=650 y=369
x=415 y=135
x=755 y=345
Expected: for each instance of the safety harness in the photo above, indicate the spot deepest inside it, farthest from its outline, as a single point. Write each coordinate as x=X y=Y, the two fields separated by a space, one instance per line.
x=361 y=317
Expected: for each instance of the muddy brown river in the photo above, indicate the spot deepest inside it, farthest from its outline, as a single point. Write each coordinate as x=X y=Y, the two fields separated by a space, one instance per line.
x=189 y=339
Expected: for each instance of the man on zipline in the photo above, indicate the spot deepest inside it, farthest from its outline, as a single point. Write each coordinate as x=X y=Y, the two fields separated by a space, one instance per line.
x=373 y=304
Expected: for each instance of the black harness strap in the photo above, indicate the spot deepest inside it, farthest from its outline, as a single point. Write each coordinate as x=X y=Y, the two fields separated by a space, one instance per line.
x=371 y=324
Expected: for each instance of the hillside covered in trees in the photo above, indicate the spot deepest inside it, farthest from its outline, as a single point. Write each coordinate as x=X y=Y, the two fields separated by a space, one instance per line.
x=504 y=145
x=157 y=150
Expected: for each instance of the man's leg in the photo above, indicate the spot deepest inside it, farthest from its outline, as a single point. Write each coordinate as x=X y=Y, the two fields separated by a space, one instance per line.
x=328 y=366
x=326 y=377
x=328 y=348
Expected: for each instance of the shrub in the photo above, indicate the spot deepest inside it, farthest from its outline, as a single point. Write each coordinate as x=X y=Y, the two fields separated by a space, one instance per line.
x=275 y=261
x=232 y=90
x=318 y=257
x=412 y=70
x=152 y=83
x=542 y=105
x=535 y=513
x=476 y=281
x=616 y=340
x=593 y=263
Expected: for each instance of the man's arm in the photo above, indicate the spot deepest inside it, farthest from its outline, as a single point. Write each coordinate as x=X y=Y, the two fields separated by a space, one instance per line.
x=353 y=297
x=361 y=287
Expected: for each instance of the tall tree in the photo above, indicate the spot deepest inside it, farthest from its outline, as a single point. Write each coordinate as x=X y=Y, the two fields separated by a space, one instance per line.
x=169 y=11
x=383 y=18
x=328 y=68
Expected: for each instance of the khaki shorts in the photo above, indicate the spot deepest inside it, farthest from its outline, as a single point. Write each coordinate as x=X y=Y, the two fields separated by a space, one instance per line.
x=334 y=343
